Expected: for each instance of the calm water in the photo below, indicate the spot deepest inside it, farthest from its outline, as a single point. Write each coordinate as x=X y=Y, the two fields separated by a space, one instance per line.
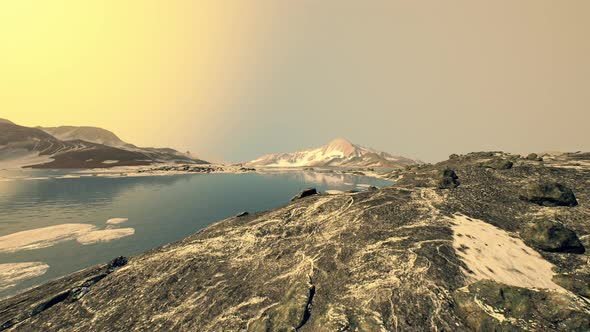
x=160 y=209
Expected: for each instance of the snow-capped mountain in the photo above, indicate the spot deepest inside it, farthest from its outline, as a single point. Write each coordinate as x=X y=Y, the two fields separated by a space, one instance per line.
x=338 y=153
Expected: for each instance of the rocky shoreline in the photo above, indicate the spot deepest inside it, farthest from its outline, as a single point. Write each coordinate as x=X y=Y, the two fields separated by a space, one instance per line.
x=484 y=241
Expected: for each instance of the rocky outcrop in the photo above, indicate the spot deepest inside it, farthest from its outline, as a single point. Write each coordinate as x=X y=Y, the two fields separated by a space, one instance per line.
x=448 y=179
x=534 y=157
x=408 y=257
x=498 y=164
x=489 y=306
x=552 y=236
x=549 y=194
x=305 y=193
x=51 y=295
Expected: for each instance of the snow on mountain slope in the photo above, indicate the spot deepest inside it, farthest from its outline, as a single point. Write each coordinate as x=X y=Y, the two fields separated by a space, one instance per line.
x=338 y=153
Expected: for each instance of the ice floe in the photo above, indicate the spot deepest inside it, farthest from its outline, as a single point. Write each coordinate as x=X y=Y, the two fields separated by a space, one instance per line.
x=13 y=273
x=105 y=235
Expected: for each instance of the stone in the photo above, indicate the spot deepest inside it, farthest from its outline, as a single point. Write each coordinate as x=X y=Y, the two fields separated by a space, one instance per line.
x=448 y=179
x=117 y=263
x=304 y=193
x=498 y=164
x=552 y=236
x=548 y=194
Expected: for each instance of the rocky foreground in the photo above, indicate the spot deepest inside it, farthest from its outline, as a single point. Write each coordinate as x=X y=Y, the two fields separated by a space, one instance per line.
x=485 y=241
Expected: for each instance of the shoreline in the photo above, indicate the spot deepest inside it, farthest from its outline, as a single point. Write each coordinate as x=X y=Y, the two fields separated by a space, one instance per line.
x=187 y=169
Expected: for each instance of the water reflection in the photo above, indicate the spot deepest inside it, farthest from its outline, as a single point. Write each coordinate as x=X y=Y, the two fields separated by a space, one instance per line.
x=129 y=215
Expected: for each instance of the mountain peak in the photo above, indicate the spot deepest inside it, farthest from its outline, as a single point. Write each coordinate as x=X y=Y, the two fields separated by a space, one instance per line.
x=339 y=152
x=340 y=140
x=341 y=145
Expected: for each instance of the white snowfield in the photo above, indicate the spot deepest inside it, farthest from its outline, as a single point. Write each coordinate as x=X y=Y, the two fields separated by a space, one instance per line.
x=491 y=253
x=339 y=152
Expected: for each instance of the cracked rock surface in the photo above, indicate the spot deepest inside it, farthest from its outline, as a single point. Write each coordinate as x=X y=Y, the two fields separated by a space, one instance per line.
x=409 y=257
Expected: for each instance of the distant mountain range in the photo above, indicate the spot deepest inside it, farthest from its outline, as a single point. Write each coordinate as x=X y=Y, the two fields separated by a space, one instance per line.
x=338 y=153
x=76 y=147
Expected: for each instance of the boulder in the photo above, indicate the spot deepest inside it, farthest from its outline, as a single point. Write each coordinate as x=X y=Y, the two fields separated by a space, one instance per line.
x=305 y=193
x=117 y=263
x=448 y=179
x=552 y=236
x=372 y=188
x=548 y=194
x=498 y=164
x=242 y=214
x=521 y=309
x=534 y=156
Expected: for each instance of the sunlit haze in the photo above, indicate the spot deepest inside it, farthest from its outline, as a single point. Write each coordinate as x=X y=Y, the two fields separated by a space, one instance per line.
x=232 y=80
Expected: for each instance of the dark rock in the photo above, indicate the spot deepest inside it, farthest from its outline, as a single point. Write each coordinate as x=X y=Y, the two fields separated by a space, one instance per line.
x=372 y=188
x=305 y=193
x=498 y=164
x=575 y=282
x=242 y=214
x=552 y=236
x=51 y=302
x=117 y=263
x=448 y=179
x=454 y=156
x=548 y=194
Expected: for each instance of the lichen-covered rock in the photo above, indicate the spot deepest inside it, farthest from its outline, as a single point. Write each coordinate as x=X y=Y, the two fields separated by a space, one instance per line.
x=578 y=283
x=490 y=306
x=548 y=194
x=304 y=193
x=448 y=179
x=498 y=164
x=552 y=236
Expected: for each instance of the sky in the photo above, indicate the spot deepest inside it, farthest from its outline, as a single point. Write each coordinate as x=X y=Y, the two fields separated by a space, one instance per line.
x=231 y=80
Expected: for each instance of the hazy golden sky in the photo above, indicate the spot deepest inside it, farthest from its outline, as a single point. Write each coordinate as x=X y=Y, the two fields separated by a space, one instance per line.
x=235 y=79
